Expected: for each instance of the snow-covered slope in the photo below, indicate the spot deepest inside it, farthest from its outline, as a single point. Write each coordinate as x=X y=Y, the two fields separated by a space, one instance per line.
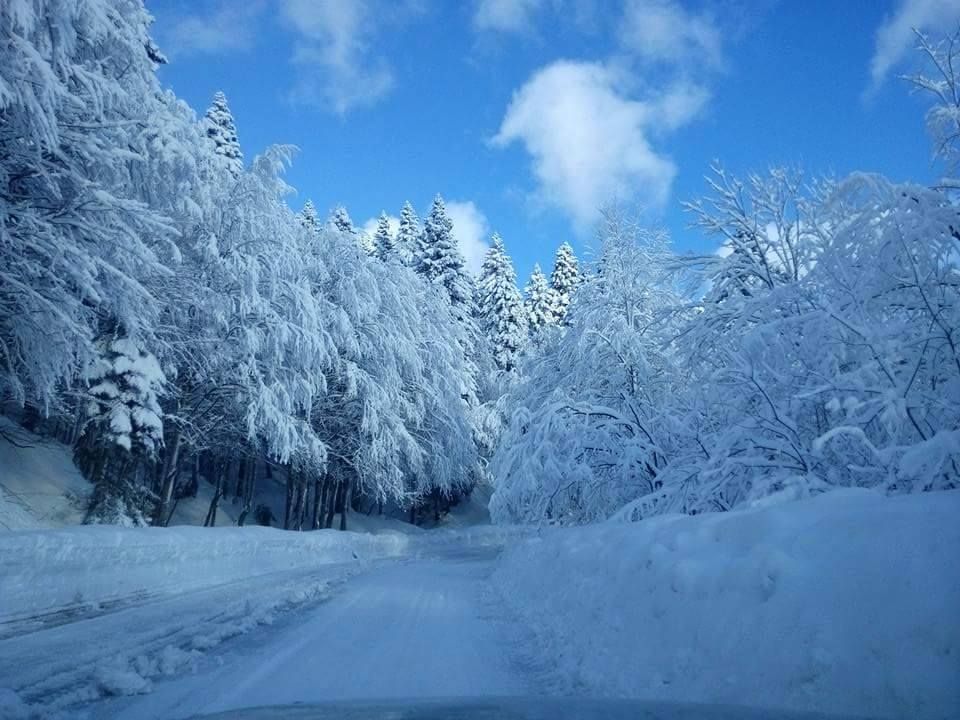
x=849 y=602
x=39 y=484
x=40 y=487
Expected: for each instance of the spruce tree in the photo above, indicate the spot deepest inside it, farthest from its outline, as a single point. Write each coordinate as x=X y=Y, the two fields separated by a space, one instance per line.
x=408 y=236
x=541 y=303
x=383 y=240
x=564 y=279
x=308 y=216
x=222 y=130
x=439 y=259
x=500 y=306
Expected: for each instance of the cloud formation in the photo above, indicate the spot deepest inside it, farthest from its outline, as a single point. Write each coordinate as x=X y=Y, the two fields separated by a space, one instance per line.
x=508 y=16
x=471 y=229
x=589 y=140
x=663 y=31
x=334 y=52
x=226 y=27
x=895 y=37
x=594 y=129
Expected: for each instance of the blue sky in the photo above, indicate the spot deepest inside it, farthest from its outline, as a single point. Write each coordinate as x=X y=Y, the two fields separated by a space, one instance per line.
x=528 y=114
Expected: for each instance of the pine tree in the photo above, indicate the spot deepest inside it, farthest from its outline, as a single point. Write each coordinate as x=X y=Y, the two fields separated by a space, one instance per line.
x=564 y=279
x=308 y=216
x=500 y=306
x=541 y=303
x=382 y=239
x=408 y=236
x=340 y=221
x=222 y=130
x=439 y=259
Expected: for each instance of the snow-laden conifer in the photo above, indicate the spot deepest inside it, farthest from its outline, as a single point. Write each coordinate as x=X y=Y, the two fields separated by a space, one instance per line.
x=500 y=306
x=222 y=131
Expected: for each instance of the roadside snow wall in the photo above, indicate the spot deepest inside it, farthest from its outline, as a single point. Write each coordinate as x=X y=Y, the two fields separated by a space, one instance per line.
x=49 y=570
x=847 y=603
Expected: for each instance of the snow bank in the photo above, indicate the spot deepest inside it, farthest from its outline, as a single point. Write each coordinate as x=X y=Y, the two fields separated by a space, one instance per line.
x=847 y=603
x=53 y=570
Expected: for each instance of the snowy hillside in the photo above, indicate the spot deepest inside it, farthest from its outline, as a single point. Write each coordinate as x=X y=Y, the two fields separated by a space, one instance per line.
x=40 y=487
x=844 y=603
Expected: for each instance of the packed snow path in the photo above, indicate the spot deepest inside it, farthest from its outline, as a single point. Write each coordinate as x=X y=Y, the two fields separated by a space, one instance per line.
x=418 y=627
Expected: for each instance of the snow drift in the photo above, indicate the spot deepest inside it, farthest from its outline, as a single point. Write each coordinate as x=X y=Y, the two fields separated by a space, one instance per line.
x=847 y=603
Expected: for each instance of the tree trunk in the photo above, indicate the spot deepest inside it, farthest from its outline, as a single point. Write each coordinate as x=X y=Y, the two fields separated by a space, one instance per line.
x=333 y=492
x=170 y=464
x=238 y=490
x=296 y=512
x=218 y=472
x=318 y=485
x=347 y=492
x=288 y=505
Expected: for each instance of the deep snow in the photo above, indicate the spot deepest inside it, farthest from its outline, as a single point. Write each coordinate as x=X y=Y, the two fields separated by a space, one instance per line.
x=845 y=603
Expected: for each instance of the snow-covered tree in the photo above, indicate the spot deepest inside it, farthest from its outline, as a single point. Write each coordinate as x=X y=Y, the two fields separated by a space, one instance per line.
x=125 y=384
x=309 y=217
x=408 y=235
x=79 y=241
x=340 y=221
x=500 y=306
x=222 y=130
x=564 y=279
x=541 y=302
x=438 y=257
x=941 y=82
x=591 y=420
x=383 y=239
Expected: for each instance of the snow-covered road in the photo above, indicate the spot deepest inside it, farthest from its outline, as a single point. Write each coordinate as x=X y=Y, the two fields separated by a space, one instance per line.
x=417 y=627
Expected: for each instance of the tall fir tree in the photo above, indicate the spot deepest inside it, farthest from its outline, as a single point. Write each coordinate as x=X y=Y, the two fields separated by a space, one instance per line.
x=383 y=239
x=408 y=236
x=541 y=302
x=439 y=259
x=500 y=305
x=222 y=130
x=564 y=279
x=308 y=216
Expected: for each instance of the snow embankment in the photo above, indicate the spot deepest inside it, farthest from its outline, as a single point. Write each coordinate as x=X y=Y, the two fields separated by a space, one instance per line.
x=845 y=603
x=47 y=571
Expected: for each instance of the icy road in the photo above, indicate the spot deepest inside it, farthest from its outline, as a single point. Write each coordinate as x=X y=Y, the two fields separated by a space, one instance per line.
x=422 y=626
x=415 y=628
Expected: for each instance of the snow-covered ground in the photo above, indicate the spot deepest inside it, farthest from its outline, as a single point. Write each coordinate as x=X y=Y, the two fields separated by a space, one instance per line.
x=847 y=603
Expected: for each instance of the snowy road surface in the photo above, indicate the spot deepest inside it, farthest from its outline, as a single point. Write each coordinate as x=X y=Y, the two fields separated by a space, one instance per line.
x=402 y=628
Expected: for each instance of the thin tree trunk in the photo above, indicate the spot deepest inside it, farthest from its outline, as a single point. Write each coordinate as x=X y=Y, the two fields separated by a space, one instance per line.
x=289 y=503
x=170 y=464
x=333 y=492
x=317 y=499
x=211 y=519
x=238 y=491
x=347 y=492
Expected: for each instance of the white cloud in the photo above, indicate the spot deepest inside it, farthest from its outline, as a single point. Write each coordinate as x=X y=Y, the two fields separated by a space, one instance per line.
x=589 y=140
x=505 y=15
x=227 y=27
x=338 y=67
x=662 y=31
x=471 y=229
x=895 y=37
x=370 y=226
